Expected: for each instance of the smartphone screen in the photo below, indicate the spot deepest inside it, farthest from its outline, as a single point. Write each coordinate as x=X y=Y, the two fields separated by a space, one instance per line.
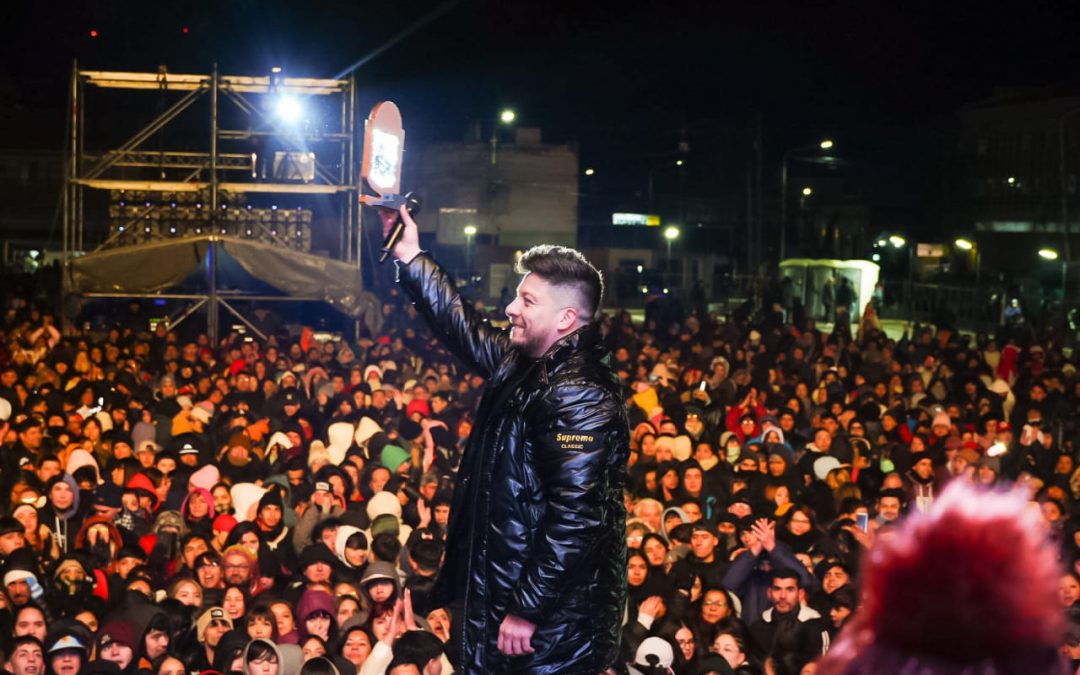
x=704 y=385
x=862 y=520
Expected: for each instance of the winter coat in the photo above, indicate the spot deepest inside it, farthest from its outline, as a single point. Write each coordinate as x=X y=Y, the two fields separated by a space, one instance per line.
x=537 y=524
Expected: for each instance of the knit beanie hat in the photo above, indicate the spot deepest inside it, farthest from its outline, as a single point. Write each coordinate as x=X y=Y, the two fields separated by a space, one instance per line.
x=393 y=457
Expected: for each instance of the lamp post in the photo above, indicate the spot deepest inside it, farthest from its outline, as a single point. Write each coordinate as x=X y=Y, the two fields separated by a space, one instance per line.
x=899 y=242
x=507 y=117
x=1051 y=255
x=671 y=233
x=823 y=145
x=662 y=165
x=470 y=232
x=968 y=245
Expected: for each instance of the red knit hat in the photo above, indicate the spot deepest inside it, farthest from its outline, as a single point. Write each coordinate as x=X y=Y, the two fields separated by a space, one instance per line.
x=418 y=406
x=224 y=523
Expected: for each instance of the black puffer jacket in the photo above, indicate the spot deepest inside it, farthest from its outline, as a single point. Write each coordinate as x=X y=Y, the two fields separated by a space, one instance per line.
x=538 y=525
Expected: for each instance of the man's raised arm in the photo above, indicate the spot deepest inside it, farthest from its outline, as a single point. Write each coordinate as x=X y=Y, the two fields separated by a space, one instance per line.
x=456 y=322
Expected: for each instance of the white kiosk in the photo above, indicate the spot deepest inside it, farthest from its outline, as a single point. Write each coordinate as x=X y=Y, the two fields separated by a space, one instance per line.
x=809 y=277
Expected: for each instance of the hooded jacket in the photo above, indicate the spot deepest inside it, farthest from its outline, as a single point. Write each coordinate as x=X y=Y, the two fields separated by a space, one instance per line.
x=114 y=544
x=65 y=525
x=537 y=525
x=289 y=657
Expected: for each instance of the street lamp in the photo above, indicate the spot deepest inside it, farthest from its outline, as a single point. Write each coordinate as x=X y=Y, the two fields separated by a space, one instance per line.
x=826 y=144
x=590 y=172
x=507 y=117
x=470 y=232
x=807 y=191
x=1051 y=255
x=968 y=246
x=899 y=242
x=661 y=165
x=671 y=233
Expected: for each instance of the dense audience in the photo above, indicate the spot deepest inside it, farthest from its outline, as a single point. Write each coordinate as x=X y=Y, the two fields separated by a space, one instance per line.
x=279 y=506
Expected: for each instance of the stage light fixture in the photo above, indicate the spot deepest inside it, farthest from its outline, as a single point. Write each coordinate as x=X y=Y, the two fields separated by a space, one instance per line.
x=289 y=109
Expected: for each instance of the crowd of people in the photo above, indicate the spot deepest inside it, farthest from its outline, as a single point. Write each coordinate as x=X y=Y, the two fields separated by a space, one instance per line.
x=172 y=506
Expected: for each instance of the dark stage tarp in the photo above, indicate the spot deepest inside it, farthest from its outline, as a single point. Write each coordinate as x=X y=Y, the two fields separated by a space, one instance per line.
x=159 y=266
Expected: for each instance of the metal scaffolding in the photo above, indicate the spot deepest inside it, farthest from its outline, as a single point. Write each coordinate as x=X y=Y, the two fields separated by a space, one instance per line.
x=209 y=171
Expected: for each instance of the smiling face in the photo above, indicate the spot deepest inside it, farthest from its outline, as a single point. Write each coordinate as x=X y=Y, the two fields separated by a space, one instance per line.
x=541 y=314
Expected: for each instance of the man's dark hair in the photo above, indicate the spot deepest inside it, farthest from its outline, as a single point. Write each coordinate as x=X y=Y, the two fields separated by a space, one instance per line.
x=427 y=554
x=17 y=642
x=785 y=573
x=892 y=492
x=416 y=647
x=386 y=547
x=320 y=665
x=564 y=266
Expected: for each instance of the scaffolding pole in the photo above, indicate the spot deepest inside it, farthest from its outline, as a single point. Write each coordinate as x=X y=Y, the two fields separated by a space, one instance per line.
x=228 y=168
x=212 y=309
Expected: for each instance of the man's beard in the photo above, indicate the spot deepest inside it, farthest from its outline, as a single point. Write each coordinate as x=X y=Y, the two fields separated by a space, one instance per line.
x=526 y=343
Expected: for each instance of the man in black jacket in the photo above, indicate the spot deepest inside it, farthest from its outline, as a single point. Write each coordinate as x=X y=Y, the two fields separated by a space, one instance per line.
x=789 y=628
x=536 y=553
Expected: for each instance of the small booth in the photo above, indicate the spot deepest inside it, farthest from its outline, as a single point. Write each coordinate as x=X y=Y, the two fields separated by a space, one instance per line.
x=811 y=277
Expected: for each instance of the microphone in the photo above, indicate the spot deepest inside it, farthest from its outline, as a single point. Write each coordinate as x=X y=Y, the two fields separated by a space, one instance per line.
x=412 y=202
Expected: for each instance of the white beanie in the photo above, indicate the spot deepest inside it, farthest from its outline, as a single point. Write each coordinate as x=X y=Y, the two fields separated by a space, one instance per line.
x=365 y=430
x=383 y=502
x=316 y=453
x=245 y=497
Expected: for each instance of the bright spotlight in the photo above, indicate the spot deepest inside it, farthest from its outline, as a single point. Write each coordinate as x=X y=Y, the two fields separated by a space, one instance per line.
x=807 y=191
x=507 y=116
x=289 y=109
x=897 y=241
x=589 y=172
x=964 y=244
x=470 y=230
x=671 y=232
x=1048 y=254
x=826 y=144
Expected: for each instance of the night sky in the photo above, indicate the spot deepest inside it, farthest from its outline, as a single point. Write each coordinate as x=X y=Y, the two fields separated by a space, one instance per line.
x=624 y=80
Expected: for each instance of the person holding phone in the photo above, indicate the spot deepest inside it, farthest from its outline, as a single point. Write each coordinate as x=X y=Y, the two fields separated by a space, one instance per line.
x=535 y=562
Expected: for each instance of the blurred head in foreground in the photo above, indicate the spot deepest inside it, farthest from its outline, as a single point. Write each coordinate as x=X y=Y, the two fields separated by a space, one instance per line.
x=968 y=588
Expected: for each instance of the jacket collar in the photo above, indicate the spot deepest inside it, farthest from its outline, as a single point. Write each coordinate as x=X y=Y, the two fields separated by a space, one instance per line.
x=583 y=339
x=806 y=613
x=580 y=340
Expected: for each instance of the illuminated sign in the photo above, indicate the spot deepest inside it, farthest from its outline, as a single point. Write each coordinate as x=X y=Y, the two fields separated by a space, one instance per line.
x=930 y=250
x=648 y=220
